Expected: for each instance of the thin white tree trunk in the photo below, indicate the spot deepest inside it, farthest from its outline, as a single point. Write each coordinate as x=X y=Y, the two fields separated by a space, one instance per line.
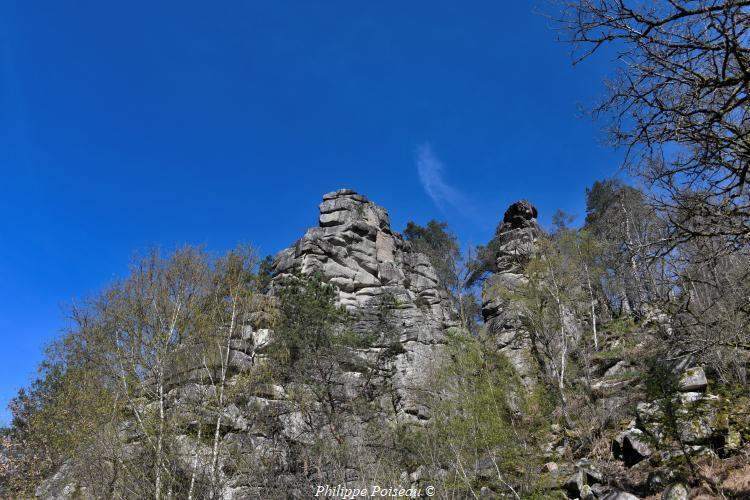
x=222 y=384
x=195 y=463
x=159 y=439
x=593 y=306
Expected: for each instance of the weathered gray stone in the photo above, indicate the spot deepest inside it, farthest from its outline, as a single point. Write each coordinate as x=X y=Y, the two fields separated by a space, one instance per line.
x=619 y=368
x=514 y=244
x=550 y=468
x=657 y=480
x=591 y=473
x=677 y=491
x=605 y=387
x=587 y=493
x=355 y=250
x=631 y=446
x=575 y=483
x=599 y=490
x=619 y=495
x=694 y=379
x=61 y=485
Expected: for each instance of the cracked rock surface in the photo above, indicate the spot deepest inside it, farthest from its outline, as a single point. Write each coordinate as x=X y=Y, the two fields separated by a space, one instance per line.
x=516 y=238
x=355 y=249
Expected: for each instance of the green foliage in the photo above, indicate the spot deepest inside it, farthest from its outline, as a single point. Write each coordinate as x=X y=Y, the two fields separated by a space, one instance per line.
x=310 y=323
x=603 y=200
x=661 y=382
x=626 y=228
x=616 y=353
x=127 y=348
x=621 y=325
x=454 y=270
x=265 y=271
x=58 y=415
x=485 y=427
x=662 y=386
x=439 y=245
x=483 y=263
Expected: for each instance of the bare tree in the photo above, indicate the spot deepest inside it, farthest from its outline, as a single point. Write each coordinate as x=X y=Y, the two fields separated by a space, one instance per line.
x=679 y=102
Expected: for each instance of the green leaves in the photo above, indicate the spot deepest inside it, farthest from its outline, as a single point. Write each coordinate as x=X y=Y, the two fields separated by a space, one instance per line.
x=309 y=319
x=484 y=424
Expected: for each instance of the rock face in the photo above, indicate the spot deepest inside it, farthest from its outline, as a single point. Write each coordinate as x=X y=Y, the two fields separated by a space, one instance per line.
x=355 y=250
x=514 y=242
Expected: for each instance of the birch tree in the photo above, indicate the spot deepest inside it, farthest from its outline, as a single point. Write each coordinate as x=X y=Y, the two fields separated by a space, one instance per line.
x=150 y=314
x=232 y=299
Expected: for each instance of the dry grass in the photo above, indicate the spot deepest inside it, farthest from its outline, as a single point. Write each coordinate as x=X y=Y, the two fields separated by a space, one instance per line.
x=728 y=478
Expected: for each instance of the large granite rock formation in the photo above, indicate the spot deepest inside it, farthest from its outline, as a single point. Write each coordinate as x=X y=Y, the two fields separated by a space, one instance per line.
x=514 y=244
x=355 y=250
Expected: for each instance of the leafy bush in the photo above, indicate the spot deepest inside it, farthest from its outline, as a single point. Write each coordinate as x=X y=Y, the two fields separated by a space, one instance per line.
x=485 y=427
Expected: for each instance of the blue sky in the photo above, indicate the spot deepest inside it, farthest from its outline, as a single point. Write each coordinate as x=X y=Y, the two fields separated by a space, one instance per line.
x=128 y=125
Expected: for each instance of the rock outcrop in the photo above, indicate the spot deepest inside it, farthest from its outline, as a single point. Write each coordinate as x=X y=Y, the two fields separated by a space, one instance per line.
x=355 y=249
x=514 y=244
x=269 y=429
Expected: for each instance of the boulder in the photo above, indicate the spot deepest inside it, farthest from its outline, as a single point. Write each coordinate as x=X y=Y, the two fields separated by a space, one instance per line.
x=591 y=472
x=574 y=484
x=579 y=483
x=631 y=446
x=550 y=468
x=676 y=491
x=619 y=495
x=587 y=493
x=657 y=480
x=520 y=214
x=694 y=379
x=620 y=367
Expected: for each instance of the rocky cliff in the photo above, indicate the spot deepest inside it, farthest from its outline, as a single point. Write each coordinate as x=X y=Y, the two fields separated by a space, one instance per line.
x=622 y=441
x=355 y=249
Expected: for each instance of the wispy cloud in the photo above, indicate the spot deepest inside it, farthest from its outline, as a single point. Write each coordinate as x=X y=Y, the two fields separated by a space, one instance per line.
x=430 y=170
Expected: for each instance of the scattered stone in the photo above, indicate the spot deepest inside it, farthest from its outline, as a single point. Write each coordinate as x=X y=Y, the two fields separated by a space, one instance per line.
x=631 y=446
x=599 y=490
x=574 y=484
x=486 y=468
x=619 y=495
x=676 y=491
x=694 y=379
x=486 y=493
x=587 y=493
x=619 y=368
x=592 y=473
x=657 y=480
x=604 y=388
x=550 y=467
x=418 y=474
